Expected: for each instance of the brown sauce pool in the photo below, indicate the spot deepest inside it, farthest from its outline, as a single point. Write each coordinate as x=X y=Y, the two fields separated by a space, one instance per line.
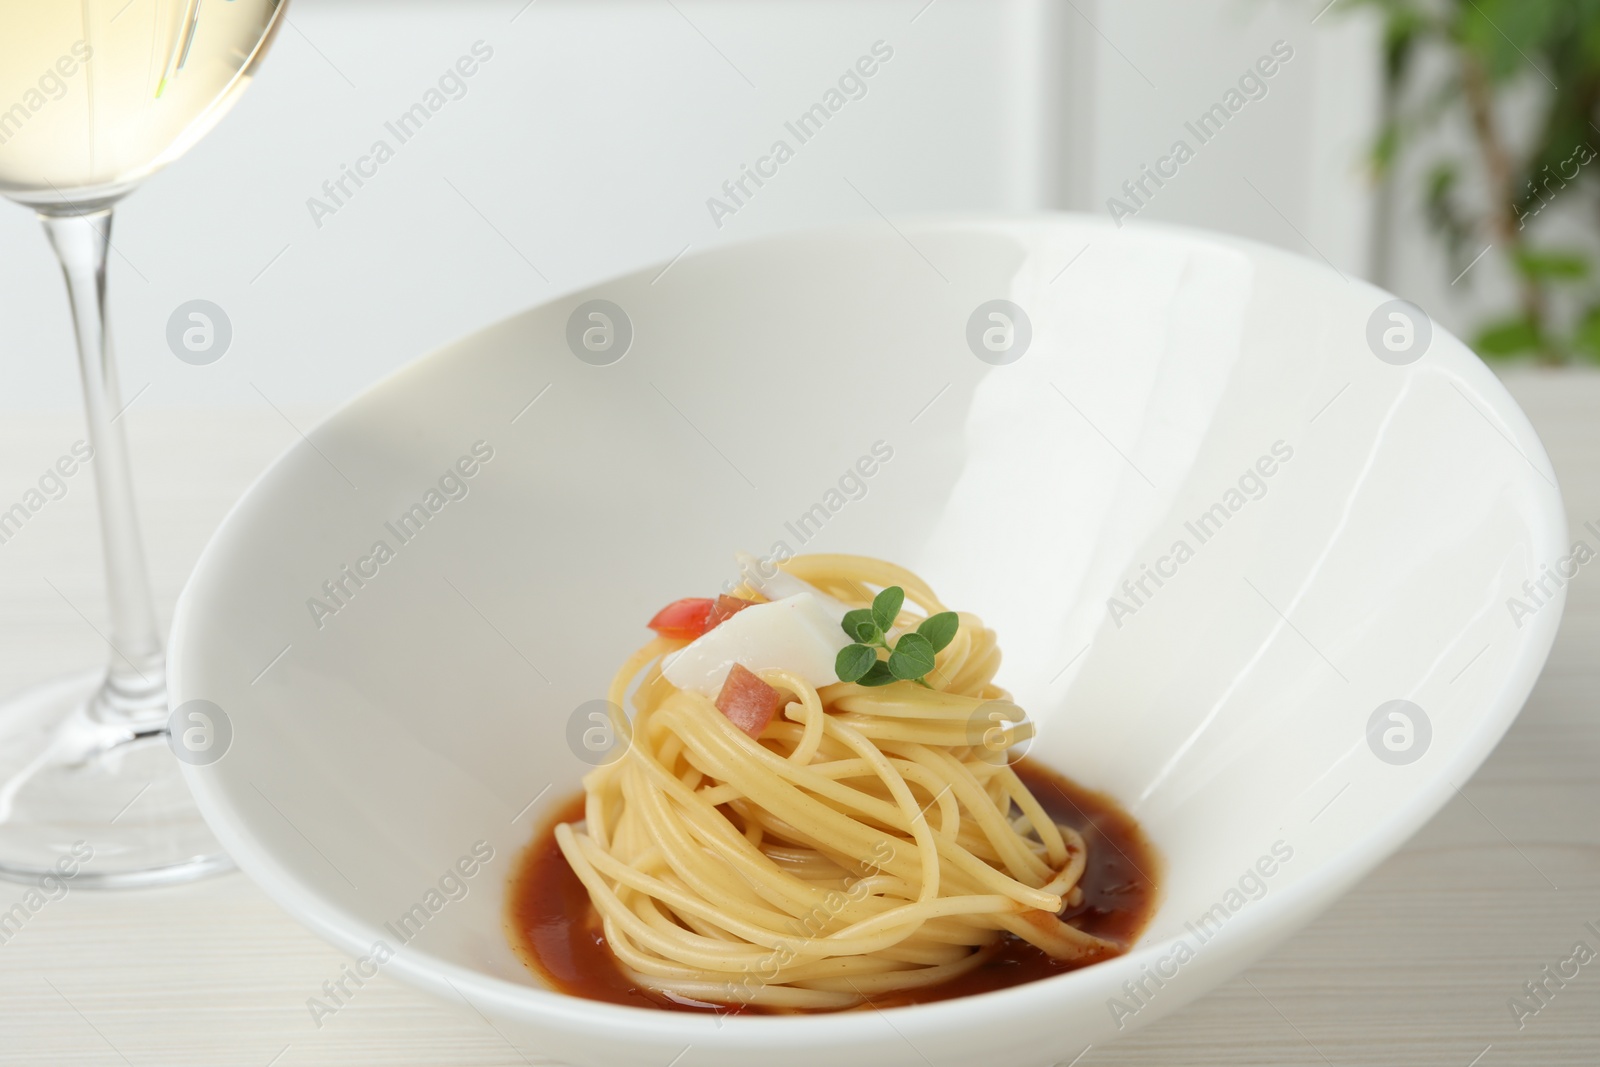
x=555 y=931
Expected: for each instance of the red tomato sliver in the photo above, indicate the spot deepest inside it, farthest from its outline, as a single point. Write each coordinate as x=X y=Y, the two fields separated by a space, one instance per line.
x=747 y=701
x=684 y=619
x=726 y=608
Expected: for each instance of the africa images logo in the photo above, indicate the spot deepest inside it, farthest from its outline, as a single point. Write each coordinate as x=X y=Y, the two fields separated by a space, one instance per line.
x=453 y=485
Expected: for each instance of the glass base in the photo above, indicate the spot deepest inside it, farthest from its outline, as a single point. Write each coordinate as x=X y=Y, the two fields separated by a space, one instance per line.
x=101 y=798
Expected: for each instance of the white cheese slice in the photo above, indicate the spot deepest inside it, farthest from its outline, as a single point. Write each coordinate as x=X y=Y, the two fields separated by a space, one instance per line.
x=782 y=584
x=799 y=634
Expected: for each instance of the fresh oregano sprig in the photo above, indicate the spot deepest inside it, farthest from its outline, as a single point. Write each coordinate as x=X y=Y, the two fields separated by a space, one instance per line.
x=911 y=655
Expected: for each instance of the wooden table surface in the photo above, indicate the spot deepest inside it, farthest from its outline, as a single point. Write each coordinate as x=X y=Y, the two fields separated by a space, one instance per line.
x=1417 y=966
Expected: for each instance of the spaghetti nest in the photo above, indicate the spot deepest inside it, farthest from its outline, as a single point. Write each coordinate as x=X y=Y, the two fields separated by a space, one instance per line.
x=870 y=841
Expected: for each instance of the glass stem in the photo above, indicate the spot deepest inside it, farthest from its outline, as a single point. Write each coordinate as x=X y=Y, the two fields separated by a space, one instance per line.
x=135 y=689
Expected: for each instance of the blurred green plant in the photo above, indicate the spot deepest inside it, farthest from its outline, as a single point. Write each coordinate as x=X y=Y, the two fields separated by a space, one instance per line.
x=1535 y=57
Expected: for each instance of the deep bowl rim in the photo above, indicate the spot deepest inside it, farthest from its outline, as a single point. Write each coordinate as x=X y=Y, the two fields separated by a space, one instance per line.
x=558 y=1010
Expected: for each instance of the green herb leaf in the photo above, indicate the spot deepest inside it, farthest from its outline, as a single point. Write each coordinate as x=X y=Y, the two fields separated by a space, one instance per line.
x=859 y=625
x=940 y=629
x=912 y=657
x=854 y=661
x=1587 y=334
x=878 y=675
x=1552 y=264
x=886 y=606
x=1508 y=337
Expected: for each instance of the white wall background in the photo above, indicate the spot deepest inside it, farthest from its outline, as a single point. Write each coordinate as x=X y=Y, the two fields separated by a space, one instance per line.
x=589 y=144
x=1287 y=168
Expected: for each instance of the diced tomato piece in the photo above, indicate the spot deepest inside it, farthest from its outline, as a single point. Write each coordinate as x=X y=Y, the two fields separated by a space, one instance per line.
x=692 y=616
x=684 y=619
x=747 y=701
x=726 y=608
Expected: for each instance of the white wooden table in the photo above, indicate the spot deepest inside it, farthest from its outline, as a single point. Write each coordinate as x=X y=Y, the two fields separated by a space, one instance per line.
x=1417 y=966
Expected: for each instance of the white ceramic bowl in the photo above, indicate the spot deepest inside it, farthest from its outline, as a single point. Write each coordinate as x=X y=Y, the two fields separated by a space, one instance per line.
x=1230 y=707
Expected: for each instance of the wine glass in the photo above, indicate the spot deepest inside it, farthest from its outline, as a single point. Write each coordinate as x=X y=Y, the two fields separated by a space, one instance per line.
x=95 y=95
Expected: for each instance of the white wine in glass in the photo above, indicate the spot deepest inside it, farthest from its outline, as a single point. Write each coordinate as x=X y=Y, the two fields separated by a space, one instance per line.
x=96 y=95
